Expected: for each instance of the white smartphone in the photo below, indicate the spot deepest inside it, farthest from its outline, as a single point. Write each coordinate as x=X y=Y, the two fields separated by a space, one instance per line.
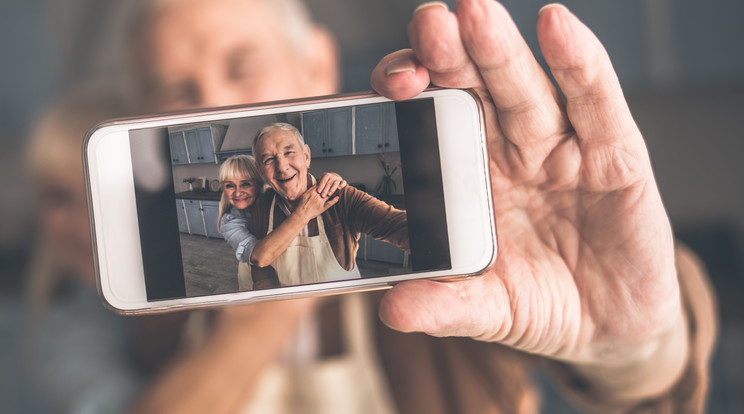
x=154 y=197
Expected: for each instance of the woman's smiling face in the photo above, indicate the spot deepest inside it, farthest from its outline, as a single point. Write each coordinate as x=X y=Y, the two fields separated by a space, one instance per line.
x=240 y=193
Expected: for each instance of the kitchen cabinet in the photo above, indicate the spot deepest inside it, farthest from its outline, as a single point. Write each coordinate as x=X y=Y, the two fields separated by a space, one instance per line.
x=183 y=224
x=178 y=148
x=194 y=217
x=192 y=146
x=328 y=132
x=376 y=129
x=211 y=212
x=198 y=217
x=199 y=144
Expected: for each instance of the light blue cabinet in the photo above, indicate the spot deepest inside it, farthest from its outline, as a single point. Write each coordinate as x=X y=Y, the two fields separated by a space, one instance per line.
x=376 y=129
x=199 y=144
x=211 y=211
x=183 y=224
x=192 y=146
x=194 y=217
x=178 y=148
x=198 y=217
x=328 y=132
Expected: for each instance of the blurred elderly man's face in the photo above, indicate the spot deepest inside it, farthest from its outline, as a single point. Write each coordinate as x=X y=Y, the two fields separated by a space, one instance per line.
x=205 y=53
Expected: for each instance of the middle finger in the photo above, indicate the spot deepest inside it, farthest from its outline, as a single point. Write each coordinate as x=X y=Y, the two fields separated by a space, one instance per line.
x=529 y=108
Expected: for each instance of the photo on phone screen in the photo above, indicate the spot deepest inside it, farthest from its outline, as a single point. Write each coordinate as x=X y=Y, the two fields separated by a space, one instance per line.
x=389 y=220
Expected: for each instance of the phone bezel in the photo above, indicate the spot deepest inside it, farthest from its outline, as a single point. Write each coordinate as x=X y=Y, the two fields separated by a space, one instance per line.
x=113 y=217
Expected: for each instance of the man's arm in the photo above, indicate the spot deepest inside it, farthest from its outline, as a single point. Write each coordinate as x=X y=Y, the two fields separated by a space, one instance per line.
x=375 y=218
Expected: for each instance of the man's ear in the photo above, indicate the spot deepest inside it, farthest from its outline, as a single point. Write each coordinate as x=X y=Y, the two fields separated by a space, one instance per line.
x=306 y=151
x=323 y=65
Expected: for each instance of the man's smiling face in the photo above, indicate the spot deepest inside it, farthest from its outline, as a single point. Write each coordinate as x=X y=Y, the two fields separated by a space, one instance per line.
x=283 y=162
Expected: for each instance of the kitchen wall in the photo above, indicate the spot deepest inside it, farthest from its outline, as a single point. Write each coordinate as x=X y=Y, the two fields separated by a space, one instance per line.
x=365 y=169
x=180 y=172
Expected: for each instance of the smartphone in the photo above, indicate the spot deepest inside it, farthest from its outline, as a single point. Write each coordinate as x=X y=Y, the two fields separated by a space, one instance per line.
x=154 y=199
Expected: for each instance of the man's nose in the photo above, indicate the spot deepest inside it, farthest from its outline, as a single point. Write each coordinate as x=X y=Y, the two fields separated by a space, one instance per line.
x=282 y=163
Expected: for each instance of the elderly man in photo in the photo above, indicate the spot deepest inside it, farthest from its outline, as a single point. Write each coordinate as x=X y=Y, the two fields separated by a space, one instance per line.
x=326 y=248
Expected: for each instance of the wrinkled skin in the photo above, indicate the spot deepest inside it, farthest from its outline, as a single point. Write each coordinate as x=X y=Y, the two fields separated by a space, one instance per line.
x=585 y=269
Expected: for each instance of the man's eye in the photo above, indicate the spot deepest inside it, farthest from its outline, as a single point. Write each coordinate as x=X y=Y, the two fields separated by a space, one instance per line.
x=243 y=66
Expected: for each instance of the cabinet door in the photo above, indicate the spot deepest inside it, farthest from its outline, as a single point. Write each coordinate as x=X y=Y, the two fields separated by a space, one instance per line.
x=206 y=144
x=368 y=130
x=338 y=141
x=183 y=224
x=199 y=145
x=376 y=129
x=195 y=218
x=389 y=136
x=178 y=148
x=328 y=132
x=315 y=131
x=211 y=210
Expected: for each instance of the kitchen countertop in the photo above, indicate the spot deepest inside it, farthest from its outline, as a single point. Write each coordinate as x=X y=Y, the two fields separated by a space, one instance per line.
x=204 y=195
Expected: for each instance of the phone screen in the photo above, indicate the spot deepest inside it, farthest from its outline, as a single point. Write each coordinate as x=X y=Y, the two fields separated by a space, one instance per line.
x=387 y=152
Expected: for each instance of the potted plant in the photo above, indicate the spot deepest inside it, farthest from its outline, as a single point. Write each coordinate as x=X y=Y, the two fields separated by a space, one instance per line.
x=387 y=183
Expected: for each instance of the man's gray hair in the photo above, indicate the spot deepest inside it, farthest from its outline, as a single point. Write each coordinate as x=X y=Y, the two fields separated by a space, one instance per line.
x=293 y=17
x=293 y=14
x=283 y=126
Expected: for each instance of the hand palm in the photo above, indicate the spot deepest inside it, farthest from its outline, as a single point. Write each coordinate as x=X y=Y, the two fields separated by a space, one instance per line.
x=585 y=252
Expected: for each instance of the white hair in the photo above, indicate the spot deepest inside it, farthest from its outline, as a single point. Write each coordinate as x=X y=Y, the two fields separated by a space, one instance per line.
x=294 y=15
x=283 y=126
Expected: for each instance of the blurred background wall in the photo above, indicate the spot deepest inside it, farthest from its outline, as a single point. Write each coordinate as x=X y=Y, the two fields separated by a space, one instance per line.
x=681 y=63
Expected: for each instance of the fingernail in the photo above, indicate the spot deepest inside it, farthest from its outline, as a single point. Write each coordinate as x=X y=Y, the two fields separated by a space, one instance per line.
x=551 y=5
x=400 y=64
x=430 y=4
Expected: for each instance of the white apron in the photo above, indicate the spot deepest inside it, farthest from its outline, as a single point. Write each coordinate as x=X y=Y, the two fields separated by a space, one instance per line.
x=308 y=259
x=350 y=383
x=245 y=280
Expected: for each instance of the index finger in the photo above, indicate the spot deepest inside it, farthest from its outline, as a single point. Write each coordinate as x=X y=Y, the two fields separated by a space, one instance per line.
x=529 y=108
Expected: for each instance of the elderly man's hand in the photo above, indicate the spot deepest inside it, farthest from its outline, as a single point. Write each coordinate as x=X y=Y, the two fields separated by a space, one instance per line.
x=585 y=271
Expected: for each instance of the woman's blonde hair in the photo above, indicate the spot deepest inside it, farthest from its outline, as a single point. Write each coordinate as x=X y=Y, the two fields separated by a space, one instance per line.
x=237 y=167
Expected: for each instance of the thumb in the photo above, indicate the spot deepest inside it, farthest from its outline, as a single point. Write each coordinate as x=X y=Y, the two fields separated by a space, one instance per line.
x=459 y=308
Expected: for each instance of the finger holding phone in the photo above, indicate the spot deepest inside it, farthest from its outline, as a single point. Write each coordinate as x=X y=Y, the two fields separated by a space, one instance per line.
x=586 y=271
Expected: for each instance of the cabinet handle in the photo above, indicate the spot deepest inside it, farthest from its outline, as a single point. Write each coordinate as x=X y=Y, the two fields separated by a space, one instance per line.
x=330 y=149
x=379 y=145
x=387 y=145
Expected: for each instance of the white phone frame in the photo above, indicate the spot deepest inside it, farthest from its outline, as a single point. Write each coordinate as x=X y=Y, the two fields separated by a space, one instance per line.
x=113 y=214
